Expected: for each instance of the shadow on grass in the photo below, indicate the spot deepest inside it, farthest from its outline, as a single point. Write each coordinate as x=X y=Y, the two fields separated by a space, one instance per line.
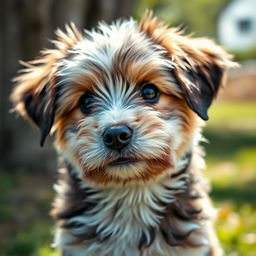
x=225 y=144
x=244 y=194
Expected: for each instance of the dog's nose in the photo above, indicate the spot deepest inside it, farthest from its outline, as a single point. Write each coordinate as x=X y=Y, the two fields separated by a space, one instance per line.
x=117 y=137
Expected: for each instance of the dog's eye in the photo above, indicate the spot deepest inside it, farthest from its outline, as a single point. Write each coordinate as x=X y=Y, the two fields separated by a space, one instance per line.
x=85 y=102
x=150 y=92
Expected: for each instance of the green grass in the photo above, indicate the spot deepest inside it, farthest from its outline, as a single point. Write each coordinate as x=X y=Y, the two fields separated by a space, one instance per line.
x=231 y=161
x=238 y=116
x=24 y=214
x=26 y=228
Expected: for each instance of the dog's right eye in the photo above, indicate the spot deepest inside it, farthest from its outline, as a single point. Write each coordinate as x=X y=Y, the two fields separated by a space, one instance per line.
x=85 y=102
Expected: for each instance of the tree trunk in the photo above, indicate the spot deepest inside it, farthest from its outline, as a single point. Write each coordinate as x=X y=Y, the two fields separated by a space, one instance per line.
x=25 y=27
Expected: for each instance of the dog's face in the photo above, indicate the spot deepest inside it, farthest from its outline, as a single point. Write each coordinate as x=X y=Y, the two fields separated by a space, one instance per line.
x=124 y=101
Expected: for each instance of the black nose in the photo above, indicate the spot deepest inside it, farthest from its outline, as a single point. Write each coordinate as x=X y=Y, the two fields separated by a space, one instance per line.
x=117 y=137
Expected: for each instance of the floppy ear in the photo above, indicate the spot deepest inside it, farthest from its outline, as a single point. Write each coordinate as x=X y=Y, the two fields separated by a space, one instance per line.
x=199 y=64
x=40 y=108
x=203 y=88
x=34 y=97
x=200 y=72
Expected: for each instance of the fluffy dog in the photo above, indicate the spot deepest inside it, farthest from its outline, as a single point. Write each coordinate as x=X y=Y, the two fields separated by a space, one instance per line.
x=126 y=103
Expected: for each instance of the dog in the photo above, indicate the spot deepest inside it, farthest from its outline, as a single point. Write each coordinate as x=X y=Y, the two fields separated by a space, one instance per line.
x=126 y=103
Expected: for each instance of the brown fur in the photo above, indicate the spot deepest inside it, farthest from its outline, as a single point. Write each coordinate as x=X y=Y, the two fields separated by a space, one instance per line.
x=39 y=72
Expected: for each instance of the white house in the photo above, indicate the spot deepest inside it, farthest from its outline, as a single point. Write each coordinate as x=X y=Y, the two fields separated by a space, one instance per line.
x=237 y=25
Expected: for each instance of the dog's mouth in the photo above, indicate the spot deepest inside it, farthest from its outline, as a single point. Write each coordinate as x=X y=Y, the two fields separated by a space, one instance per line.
x=128 y=168
x=123 y=161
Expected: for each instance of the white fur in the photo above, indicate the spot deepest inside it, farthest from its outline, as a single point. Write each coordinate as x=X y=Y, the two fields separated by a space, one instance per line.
x=136 y=212
x=101 y=46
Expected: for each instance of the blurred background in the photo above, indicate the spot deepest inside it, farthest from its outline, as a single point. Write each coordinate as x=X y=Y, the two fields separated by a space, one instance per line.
x=27 y=172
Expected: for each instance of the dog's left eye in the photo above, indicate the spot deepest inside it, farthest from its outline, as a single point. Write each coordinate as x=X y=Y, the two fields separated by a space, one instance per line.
x=85 y=102
x=149 y=92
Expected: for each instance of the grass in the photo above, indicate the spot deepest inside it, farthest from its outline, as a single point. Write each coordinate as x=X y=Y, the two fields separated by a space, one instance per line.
x=231 y=161
x=236 y=116
x=24 y=206
x=231 y=166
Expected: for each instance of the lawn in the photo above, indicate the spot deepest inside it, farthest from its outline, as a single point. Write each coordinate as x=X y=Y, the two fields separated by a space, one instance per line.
x=26 y=228
x=231 y=167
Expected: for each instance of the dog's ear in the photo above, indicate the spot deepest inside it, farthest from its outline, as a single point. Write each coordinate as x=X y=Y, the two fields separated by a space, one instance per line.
x=200 y=72
x=39 y=107
x=34 y=96
x=199 y=64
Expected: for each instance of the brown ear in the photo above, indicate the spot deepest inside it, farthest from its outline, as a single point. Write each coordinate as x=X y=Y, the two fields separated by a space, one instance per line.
x=200 y=85
x=200 y=65
x=34 y=97
x=41 y=110
x=200 y=72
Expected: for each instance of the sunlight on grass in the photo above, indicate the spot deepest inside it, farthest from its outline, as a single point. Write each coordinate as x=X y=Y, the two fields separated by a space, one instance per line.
x=236 y=229
x=231 y=161
x=47 y=251
x=233 y=115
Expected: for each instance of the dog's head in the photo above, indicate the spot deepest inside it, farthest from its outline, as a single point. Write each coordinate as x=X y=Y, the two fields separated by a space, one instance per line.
x=124 y=100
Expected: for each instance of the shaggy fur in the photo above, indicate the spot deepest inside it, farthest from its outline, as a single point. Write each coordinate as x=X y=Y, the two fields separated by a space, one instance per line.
x=155 y=203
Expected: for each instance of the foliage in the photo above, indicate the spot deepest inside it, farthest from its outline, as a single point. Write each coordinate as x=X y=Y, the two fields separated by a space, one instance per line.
x=197 y=16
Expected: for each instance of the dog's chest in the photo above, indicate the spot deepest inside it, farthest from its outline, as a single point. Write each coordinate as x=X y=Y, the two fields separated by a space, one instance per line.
x=126 y=221
x=123 y=219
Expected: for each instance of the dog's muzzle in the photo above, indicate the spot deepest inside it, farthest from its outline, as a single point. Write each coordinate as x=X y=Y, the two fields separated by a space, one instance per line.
x=117 y=137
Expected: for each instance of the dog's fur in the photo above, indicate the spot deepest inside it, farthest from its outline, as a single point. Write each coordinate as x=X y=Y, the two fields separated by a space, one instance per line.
x=158 y=204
